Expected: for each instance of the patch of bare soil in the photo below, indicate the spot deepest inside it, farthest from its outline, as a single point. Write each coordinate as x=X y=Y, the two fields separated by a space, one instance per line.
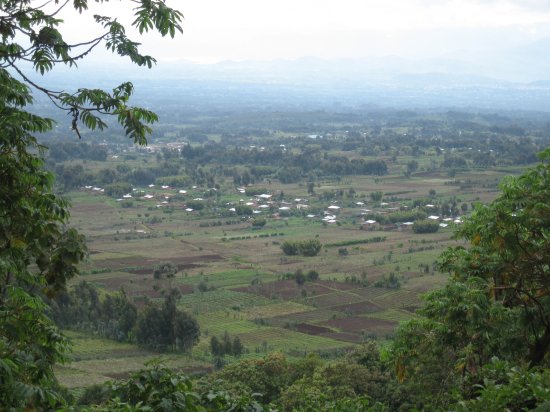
x=312 y=329
x=358 y=308
x=359 y=324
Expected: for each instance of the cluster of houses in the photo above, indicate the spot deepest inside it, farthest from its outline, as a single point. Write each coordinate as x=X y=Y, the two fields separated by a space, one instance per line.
x=162 y=198
x=264 y=202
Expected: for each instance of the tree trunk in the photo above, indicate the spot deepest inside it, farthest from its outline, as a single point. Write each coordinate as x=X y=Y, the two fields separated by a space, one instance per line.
x=539 y=349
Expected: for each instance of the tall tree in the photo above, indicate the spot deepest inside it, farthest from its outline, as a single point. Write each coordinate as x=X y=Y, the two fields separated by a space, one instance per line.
x=38 y=251
x=497 y=302
x=167 y=328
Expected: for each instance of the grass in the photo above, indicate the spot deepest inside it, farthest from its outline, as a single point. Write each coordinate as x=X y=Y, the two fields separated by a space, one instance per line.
x=96 y=360
x=231 y=278
x=220 y=299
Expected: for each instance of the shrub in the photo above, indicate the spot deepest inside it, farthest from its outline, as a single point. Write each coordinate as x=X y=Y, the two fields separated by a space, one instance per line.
x=426 y=226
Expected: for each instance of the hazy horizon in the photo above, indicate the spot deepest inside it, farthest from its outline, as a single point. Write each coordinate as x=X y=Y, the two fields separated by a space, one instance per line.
x=215 y=30
x=469 y=53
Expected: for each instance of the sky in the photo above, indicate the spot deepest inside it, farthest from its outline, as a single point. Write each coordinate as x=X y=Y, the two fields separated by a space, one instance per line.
x=217 y=30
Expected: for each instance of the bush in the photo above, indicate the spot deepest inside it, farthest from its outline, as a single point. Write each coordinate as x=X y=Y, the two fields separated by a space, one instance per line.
x=259 y=222
x=310 y=247
x=243 y=210
x=426 y=226
x=312 y=275
x=118 y=189
x=290 y=248
x=343 y=251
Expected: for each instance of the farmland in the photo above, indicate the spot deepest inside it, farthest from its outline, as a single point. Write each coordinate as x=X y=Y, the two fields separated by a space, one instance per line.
x=220 y=217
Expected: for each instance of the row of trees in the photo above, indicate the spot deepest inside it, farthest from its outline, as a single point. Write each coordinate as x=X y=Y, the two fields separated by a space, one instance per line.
x=166 y=328
x=220 y=347
x=161 y=328
x=310 y=247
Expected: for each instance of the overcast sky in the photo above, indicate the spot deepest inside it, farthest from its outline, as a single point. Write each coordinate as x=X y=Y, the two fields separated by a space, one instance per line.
x=216 y=30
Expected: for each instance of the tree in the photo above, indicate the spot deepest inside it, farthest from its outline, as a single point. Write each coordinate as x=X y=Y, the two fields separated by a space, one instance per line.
x=289 y=248
x=312 y=275
x=510 y=247
x=376 y=196
x=299 y=277
x=38 y=252
x=426 y=226
x=227 y=345
x=215 y=347
x=259 y=223
x=412 y=166
x=165 y=328
x=165 y=270
x=161 y=389
x=238 y=348
x=497 y=302
x=310 y=247
x=118 y=189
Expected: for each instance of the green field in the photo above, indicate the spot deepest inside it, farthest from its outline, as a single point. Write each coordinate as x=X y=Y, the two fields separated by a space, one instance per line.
x=234 y=277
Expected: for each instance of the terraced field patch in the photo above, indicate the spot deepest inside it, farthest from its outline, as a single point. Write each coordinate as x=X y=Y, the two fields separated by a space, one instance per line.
x=217 y=323
x=398 y=299
x=365 y=306
x=330 y=300
x=233 y=278
x=96 y=360
x=285 y=340
x=276 y=309
x=312 y=316
x=286 y=289
x=361 y=325
x=220 y=299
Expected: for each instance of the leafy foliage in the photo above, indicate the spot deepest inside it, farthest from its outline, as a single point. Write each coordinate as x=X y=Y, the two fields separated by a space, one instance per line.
x=113 y=317
x=38 y=252
x=30 y=34
x=161 y=389
x=310 y=247
x=165 y=269
x=507 y=387
x=425 y=226
x=496 y=303
x=167 y=328
x=226 y=346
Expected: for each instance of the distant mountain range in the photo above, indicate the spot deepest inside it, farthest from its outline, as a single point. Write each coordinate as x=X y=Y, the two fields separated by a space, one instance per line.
x=517 y=78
